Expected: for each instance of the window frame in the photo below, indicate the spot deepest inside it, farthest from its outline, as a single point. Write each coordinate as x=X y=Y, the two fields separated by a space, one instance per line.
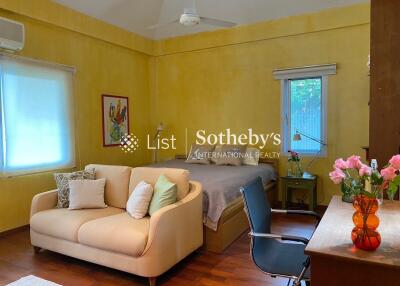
x=286 y=75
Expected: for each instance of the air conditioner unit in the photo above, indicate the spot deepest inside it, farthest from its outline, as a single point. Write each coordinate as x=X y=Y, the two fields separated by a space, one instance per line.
x=12 y=35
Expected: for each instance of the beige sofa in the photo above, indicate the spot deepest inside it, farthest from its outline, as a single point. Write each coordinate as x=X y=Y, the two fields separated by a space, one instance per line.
x=146 y=247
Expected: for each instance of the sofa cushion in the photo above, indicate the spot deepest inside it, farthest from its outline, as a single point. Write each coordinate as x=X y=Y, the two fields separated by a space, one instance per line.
x=118 y=233
x=117 y=182
x=64 y=223
x=180 y=177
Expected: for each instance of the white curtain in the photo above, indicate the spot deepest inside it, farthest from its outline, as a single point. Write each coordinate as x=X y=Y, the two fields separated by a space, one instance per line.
x=37 y=130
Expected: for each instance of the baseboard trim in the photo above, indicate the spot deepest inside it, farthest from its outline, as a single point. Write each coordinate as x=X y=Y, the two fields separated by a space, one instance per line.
x=14 y=230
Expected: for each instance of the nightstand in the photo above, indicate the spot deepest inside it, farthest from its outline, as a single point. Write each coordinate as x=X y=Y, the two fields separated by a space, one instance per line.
x=308 y=183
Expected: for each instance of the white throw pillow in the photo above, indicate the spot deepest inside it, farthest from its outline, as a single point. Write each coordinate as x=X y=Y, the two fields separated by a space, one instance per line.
x=251 y=157
x=86 y=194
x=139 y=201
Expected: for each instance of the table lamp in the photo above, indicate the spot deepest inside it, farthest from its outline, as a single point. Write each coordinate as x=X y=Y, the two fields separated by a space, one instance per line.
x=159 y=130
x=297 y=137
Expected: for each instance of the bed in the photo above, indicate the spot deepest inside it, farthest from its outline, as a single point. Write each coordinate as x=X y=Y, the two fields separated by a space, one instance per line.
x=224 y=217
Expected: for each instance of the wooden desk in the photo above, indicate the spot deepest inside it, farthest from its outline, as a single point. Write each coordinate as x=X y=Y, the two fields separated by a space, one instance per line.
x=334 y=260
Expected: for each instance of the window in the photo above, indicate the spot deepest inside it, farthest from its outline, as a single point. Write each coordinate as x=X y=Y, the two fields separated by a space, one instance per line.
x=304 y=93
x=36 y=122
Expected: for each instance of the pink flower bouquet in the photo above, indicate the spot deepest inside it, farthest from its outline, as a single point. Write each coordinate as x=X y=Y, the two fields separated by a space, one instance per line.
x=354 y=175
x=293 y=156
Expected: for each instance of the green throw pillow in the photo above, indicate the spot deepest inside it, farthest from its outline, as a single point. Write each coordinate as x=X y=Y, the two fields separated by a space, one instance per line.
x=164 y=194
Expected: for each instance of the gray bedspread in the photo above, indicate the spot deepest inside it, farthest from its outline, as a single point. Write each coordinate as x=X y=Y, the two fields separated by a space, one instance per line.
x=221 y=184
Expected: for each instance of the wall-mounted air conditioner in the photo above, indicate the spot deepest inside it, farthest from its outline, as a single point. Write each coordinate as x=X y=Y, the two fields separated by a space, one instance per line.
x=12 y=35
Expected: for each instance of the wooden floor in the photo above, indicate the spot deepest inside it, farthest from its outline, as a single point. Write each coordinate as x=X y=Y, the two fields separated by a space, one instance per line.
x=234 y=267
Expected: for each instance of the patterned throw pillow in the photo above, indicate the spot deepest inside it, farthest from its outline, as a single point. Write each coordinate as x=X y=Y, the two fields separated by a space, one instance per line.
x=200 y=154
x=62 y=181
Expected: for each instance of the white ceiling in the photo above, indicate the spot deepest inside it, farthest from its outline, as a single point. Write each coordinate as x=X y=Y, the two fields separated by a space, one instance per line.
x=136 y=15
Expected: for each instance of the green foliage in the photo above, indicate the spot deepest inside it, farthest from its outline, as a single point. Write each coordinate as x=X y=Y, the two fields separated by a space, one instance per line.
x=376 y=179
x=305 y=107
x=291 y=159
x=393 y=187
x=346 y=189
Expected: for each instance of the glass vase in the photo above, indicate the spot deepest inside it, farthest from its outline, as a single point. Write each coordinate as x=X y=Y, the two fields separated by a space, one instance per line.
x=379 y=194
x=290 y=169
x=294 y=169
x=347 y=196
x=297 y=171
x=365 y=235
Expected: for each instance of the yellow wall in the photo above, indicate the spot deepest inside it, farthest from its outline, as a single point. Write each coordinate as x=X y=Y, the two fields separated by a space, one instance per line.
x=213 y=80
x=102 y=67
x=54 y=14
x=223 y=79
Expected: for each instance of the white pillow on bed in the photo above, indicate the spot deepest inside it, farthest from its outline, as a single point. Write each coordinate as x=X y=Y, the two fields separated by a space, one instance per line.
x=252 y=156
x=231 y=155
x=215 y=153
x=139 y=201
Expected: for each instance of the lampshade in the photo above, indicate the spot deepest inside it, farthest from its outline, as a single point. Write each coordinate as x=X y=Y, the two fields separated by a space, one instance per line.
x=297 y=137
x=160 y=127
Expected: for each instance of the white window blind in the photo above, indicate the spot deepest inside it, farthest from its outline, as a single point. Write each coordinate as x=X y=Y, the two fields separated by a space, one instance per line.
x=36 y=122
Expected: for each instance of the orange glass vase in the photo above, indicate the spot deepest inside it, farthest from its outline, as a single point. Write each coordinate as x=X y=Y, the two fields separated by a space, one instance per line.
x=364 y=235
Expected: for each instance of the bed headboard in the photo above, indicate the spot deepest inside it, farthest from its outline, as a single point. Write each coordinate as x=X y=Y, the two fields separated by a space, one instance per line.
x=183 y=157
x=271 y=161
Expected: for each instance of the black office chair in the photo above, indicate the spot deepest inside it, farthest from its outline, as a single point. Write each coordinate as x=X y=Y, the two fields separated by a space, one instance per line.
x=272 y=253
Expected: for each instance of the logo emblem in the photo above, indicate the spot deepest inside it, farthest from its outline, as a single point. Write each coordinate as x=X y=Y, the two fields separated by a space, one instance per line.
x=129 y=143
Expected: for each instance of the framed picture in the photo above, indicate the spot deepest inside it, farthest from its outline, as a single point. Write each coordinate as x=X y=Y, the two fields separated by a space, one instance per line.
x=115 y=119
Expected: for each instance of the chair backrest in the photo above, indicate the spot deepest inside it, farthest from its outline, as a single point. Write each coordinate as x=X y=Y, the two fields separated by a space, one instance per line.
x=257 y=207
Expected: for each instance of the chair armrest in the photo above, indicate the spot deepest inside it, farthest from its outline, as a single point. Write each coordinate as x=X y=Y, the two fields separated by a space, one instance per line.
x=298 y=212
x=281 y=237
x=44 y=201
x=177 y=227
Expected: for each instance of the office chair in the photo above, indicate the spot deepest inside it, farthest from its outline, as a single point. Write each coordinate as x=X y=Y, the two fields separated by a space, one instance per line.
x=272 y=253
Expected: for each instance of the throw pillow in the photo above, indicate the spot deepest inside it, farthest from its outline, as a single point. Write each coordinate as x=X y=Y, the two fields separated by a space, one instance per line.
x=164 y=194
x=251 y=156
x=200 y=154
x=231 y=155
x=62 y=180
x=139 y=200
x=86 y=194
x=215 y=153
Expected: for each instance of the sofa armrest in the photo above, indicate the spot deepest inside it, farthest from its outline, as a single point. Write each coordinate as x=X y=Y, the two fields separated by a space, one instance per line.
x=177 y=229
x=44 y=201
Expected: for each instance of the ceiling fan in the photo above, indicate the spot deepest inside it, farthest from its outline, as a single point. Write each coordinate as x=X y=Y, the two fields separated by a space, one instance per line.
x=191 y=18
